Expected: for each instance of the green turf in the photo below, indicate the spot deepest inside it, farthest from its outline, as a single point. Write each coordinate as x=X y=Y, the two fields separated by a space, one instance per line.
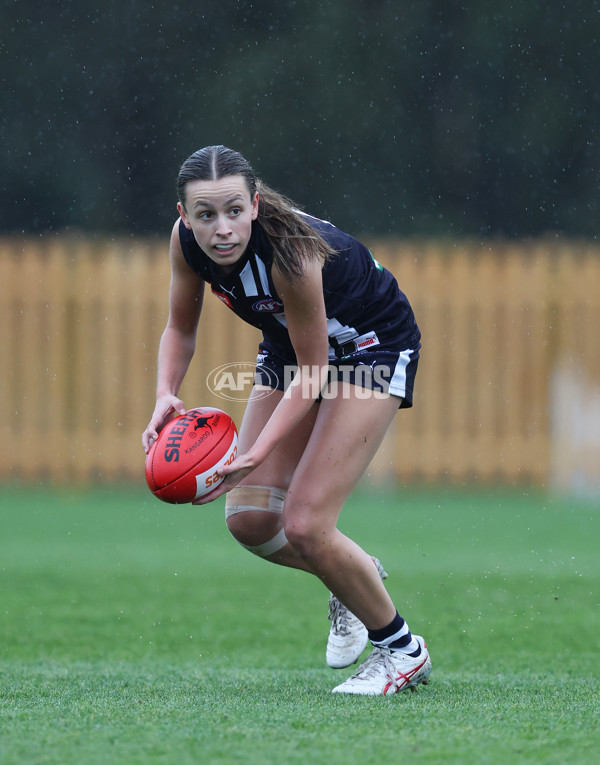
x=135 y=632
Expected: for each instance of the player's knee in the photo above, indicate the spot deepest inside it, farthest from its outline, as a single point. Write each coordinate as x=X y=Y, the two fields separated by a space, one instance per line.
x=302 y=540
x=305 y=525
x=253 y=526
x=253 y=515
x=305 y=537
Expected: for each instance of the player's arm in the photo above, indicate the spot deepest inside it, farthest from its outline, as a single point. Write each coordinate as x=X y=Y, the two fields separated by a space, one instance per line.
x=307 y=326
x=178 y=340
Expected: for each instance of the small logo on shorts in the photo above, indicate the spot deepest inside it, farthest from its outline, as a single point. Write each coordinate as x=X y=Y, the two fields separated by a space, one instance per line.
x=366 y=343
x=235 y=381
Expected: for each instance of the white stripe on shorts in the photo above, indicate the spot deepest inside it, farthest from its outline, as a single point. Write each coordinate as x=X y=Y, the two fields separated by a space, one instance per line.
x=398 y=381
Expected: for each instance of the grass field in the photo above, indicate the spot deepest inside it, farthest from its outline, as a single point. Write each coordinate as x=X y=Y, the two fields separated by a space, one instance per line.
x=135 y=632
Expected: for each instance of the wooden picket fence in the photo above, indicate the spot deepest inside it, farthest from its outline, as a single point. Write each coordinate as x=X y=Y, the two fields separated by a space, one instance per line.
x=509 y=338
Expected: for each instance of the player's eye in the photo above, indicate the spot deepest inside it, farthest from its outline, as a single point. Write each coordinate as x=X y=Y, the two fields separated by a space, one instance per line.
x=235 y=211
x=205 y=215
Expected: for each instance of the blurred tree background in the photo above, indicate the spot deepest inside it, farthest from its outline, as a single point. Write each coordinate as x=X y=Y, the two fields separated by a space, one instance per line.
x=434 y=117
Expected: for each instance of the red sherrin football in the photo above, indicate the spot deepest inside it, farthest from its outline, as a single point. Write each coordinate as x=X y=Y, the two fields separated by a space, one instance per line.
x=183 y=461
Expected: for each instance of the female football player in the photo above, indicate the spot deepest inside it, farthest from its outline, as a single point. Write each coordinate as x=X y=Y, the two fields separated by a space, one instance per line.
x=335 y=323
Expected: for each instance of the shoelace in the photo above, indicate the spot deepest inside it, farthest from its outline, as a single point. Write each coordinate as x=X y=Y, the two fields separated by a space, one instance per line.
x=338 y=616
x=371 y=666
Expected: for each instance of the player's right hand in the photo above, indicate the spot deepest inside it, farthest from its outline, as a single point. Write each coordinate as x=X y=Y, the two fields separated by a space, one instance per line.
x=166 y=408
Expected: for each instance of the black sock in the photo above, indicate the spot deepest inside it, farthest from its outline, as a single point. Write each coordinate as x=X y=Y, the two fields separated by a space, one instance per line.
x=396 y=636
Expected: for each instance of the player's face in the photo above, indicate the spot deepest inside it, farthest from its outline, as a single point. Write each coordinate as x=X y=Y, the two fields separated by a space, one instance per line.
x=220 y=214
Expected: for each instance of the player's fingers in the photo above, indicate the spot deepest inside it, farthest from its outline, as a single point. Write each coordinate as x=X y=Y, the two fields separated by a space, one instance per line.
x=148 y=438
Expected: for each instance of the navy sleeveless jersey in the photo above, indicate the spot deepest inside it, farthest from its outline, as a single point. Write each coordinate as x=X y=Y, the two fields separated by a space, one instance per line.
x=363 y=303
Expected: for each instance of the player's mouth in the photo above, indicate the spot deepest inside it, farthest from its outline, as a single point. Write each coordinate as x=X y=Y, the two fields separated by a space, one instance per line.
x=225 y=249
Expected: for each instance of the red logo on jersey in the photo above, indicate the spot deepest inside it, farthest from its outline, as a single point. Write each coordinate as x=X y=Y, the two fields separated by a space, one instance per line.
x=222 y=297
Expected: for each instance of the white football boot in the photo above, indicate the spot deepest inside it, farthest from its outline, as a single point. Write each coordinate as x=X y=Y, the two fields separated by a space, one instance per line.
x=348 y=636
x=385 y=672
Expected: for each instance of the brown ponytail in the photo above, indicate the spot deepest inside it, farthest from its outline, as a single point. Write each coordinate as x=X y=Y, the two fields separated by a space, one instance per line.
x=293 y=239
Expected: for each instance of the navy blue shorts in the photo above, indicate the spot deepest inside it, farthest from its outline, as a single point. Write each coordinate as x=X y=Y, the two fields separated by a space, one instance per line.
x=378 y=368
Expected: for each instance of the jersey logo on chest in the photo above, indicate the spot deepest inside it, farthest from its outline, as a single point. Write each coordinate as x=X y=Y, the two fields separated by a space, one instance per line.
x=268 y=305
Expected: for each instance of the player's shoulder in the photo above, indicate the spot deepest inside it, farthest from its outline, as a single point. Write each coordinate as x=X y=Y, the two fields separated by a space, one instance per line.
x=175 y=235
x=177 y=247
x=339 y=240
x=318 y=223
